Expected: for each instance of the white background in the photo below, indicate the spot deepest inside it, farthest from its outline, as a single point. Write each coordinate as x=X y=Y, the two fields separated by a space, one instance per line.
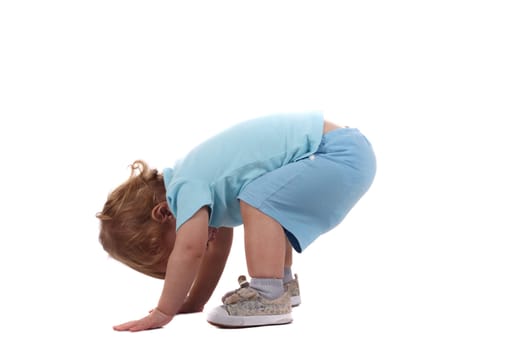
x=429 y=258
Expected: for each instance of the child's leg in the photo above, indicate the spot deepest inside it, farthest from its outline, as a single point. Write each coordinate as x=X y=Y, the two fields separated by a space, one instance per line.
x=265 y=243
x=290 y=281
x=264 y=300
x=287 y=268
x=288 y=254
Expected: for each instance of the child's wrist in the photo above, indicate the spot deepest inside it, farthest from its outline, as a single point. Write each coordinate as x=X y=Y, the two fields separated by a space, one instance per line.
x=161 y=313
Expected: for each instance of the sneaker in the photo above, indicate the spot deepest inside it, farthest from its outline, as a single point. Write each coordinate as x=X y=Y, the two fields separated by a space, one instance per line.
x=293 y=288
x=245 y=307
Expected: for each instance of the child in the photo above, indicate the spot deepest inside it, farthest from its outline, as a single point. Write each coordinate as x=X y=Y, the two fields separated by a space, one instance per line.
x=287 y=178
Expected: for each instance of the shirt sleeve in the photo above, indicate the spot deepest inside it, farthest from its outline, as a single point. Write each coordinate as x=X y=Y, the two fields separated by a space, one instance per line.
x=185 y=198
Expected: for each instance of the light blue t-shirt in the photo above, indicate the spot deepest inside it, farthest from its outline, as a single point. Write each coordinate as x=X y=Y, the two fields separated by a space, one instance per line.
x=214 y=173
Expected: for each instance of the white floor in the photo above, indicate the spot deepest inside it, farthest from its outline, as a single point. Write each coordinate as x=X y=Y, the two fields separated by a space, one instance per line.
x=427 y=260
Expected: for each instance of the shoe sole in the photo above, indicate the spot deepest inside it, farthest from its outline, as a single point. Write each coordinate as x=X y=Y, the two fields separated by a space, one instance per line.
x=220 y=317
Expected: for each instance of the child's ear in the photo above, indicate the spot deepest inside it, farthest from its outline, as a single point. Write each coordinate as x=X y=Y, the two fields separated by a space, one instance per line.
x=161 y=212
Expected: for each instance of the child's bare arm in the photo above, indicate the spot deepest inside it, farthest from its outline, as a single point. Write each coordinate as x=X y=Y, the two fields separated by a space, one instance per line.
x=183 y=264
x=210 y=271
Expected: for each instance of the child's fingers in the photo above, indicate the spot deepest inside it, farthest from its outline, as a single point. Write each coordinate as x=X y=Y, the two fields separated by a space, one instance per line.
x=124 y=326
x=138 y=327
x=153 y=320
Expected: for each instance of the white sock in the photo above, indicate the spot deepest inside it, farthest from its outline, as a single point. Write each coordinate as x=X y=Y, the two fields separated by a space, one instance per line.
x=269 y=288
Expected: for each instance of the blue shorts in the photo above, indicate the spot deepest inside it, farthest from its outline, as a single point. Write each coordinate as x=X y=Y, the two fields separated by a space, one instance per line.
x=313 y=195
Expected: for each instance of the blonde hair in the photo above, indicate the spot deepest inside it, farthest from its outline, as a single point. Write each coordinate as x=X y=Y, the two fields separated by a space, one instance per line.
x=127 y=231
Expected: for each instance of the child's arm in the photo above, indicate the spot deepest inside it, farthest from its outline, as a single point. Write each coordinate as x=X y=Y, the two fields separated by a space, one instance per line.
x=210 y=271
x=183 y=264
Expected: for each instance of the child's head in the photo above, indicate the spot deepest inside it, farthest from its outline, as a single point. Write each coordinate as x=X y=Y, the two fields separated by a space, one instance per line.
x=135 y=222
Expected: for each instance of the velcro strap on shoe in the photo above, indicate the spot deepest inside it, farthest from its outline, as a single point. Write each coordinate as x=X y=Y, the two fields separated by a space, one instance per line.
x=241 y=294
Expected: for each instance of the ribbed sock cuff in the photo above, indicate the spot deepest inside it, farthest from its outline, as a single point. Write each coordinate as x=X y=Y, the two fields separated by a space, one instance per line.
x=269 y=288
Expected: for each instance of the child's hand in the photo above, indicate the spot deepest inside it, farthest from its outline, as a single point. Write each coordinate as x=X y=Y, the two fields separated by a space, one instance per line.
x=155 y=319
